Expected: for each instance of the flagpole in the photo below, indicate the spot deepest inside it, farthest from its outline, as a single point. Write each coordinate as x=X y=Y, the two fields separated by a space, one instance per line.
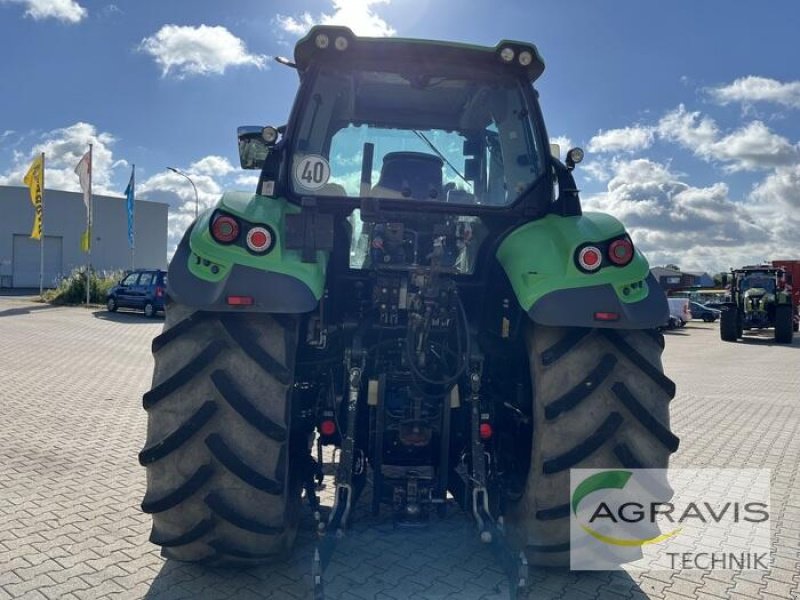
x=89 y=230
x=41 y=237
x=133 y=218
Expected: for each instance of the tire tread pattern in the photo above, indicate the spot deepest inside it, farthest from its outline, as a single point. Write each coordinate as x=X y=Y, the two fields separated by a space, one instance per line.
x=181 y=435
x=184 y=375
x=233 y=396
x=582 y=450
x=180 y=494
x=223 y=453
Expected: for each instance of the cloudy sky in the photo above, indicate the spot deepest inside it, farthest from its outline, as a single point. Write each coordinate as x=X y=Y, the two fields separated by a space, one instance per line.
x=689 y=110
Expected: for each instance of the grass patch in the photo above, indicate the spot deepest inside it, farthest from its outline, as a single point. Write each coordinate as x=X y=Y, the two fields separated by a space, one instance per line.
x=72 y=289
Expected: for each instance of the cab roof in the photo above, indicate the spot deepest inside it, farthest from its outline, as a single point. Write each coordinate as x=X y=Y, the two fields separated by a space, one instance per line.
x=340 y=45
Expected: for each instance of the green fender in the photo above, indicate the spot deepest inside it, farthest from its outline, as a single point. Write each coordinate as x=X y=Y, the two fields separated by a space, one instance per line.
x=539 y=260
x=204 y=273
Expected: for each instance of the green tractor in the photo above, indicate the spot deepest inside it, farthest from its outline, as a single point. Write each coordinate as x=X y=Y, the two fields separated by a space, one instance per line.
x=415 y=285
x=761 y=297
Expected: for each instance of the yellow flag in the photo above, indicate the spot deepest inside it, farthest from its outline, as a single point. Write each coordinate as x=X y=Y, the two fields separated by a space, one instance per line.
x=86 y=239
x=34 y=179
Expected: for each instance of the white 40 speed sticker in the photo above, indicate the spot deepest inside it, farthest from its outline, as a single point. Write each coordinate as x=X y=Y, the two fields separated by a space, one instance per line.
x=312 y=172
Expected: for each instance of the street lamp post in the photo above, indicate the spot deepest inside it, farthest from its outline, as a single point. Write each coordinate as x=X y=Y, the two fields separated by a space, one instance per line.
x=196 y=199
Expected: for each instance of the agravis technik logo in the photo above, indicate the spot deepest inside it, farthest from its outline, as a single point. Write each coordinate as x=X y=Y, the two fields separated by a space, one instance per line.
x=613 y=480
x=676 y=519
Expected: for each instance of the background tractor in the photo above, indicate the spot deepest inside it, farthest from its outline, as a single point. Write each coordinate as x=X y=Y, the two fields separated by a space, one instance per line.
x=414 y=283
x=761 y=297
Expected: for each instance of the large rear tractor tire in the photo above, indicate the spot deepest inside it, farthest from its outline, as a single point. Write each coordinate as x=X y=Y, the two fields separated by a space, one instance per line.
x=784 y=324
x=220 y=486
x=600 y=400
x=730 y=328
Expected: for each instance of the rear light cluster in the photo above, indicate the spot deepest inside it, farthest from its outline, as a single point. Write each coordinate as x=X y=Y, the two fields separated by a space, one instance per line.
x=617 y=252
x=227 y=229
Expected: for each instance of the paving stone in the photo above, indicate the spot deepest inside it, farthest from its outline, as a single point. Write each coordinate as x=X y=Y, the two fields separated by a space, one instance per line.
x=70 y=484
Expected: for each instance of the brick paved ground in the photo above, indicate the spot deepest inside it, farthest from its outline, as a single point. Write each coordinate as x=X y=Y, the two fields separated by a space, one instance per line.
x=71 y=425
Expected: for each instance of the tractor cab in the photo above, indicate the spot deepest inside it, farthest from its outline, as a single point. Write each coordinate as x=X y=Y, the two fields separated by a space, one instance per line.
x=415 y=140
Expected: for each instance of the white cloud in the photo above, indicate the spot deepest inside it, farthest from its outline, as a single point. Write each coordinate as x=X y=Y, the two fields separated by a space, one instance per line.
x=752 y=89
x=699 y=228
x=750 y=148
x=626 y=139
x=358 y=15
x=753 y=147
x=247 y=181
x=209 y=176
x=690 y=129
x=201 y=50
x=68 y=11
x=63 y=149
x=212 y=165
x=780 y=187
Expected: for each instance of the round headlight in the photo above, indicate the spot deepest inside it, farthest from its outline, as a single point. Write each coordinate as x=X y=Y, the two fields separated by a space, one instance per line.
x=525 y=58
x=341 y=43
x=322 y=40
x=269 y=135
x=507 y=54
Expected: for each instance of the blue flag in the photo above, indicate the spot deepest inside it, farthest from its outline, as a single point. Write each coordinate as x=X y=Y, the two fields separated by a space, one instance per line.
x=129 y=194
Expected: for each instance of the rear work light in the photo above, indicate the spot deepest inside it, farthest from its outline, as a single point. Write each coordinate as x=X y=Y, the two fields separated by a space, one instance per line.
x=620 y=252
x=507 y=54
x=590 y=258
x=225 y=229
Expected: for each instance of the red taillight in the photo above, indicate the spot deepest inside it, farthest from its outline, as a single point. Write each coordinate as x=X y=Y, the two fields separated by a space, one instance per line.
x=225 y=229
x=159 y=292
x=327 y=428
x=590 y=258
x=606 y=316
x=485 y=431
x=620 y=252
x=240 y=300
x=259 y=239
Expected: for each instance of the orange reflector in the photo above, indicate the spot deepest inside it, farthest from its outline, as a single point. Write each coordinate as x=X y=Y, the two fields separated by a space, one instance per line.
x=327 y=428
x=240 y=300
x=485 y=431
x=606 y=316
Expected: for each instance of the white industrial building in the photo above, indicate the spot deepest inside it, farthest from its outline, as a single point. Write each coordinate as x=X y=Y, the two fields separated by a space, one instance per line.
x=64 y=222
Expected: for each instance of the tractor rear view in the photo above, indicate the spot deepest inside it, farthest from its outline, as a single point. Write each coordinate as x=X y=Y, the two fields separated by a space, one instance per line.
x=761 y=298
x=414 y=283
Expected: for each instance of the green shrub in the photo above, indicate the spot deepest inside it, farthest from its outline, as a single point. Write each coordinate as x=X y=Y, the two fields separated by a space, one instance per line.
x=72 y=289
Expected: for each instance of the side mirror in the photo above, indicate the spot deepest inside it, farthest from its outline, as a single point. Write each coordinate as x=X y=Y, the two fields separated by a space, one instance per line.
x=254 y=145
x=555 y=151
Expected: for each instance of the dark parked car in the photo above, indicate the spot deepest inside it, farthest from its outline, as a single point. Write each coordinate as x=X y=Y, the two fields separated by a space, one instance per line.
x=701 y=311
x=144 y=289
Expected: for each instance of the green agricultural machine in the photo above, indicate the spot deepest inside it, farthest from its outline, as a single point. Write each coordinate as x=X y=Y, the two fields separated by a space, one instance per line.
x=761 y=297
x=415 y=284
